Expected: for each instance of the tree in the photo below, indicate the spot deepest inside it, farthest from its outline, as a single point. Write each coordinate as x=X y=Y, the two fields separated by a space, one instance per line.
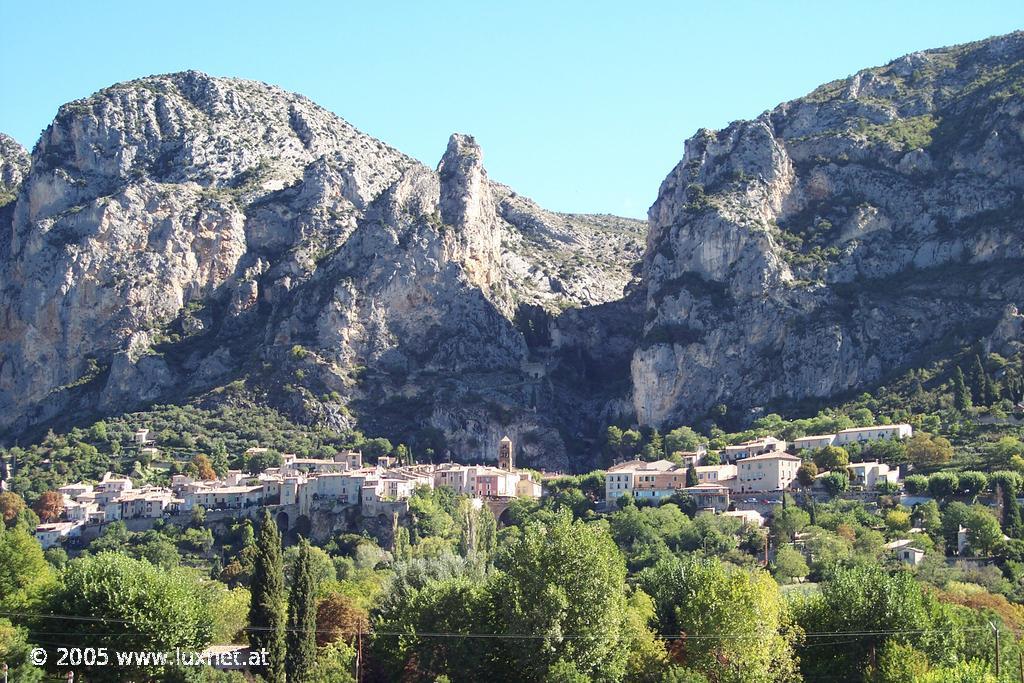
x=971 y=483
x=24 y=573
x=790 y=564
x=339 y=618
x=111 y=598
x=376 y=447
x=891 y=451
x=868 y=601
x=899 y=663
x=983 y=532
x=630 y=444
x=954 y=516
x=487 y=532
x=831 y=458
x=978 y=379
x=262 y=460
x=702 y=597
x=682 y=439
x=897 y=521
x=806 y=473
x=943 y=484
x=267 y=606
x=557 y=577
x=11 y=505
x=886 y=487
x=15 y=650
x=1002 y=452
x=1009 y=484
x=961 y=395
x=928 y=518
x=835 y=483
x=788 y=521
x=925 y=450
x=655 y=446
x=49 y=506
x=301 y=657
x=691 y=476
x=916 y=484
x=204 y=467
x=613 y=441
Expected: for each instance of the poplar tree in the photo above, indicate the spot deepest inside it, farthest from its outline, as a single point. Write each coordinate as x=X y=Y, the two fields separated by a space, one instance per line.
x=267 y=602
x=301 y=658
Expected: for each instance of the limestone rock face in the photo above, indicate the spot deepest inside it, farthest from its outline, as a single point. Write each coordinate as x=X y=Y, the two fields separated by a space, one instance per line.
x=181 y=233
x=14 y=165
x=184 y=237
x=836 y=238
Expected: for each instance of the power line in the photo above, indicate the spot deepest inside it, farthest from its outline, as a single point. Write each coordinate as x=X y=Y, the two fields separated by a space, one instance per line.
x=516 y=636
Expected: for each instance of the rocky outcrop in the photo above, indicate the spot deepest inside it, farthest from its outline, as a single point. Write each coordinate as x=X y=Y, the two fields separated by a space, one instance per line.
x=836 y=238
x=182 y=233
x=14 y=165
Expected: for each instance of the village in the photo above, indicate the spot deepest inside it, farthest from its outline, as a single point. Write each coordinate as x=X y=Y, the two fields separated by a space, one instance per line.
x=761 y=467
x=299 y=484
x=748 y=480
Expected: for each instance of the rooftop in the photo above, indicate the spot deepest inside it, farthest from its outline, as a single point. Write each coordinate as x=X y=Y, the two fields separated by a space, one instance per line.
x=779 y=455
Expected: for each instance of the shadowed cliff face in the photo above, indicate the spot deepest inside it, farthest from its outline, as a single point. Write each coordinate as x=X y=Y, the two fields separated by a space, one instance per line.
x=183 y=233
x=872 y=224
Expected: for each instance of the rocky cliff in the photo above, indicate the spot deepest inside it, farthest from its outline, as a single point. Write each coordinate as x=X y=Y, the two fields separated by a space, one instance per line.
x=180 y=234
x=190 y=238
x=839 y=237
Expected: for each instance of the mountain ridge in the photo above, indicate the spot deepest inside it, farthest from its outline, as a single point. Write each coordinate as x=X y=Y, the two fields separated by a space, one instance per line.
x=187 y=232
x=184 y=237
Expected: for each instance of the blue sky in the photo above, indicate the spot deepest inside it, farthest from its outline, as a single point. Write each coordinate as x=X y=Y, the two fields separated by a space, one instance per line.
x=583 y=106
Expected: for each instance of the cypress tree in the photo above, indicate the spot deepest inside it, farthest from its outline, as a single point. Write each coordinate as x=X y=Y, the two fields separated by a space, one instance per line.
x=1004 y=484
x=267 y=601
x=691 y=476
x=978 y=377
x=991 y=393
x=301 y=656
x=961 y=396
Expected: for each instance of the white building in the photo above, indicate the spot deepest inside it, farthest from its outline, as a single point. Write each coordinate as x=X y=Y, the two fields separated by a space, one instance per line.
x=53 y=533
x=906 y=552
x=869 y=474
x=749 y=517
x=628 y=476
x=73 y=491
x=876 y=433
x=222 y=497
x=767 y=472
x=811 y=442
x=749 y=449
x=714 y=474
